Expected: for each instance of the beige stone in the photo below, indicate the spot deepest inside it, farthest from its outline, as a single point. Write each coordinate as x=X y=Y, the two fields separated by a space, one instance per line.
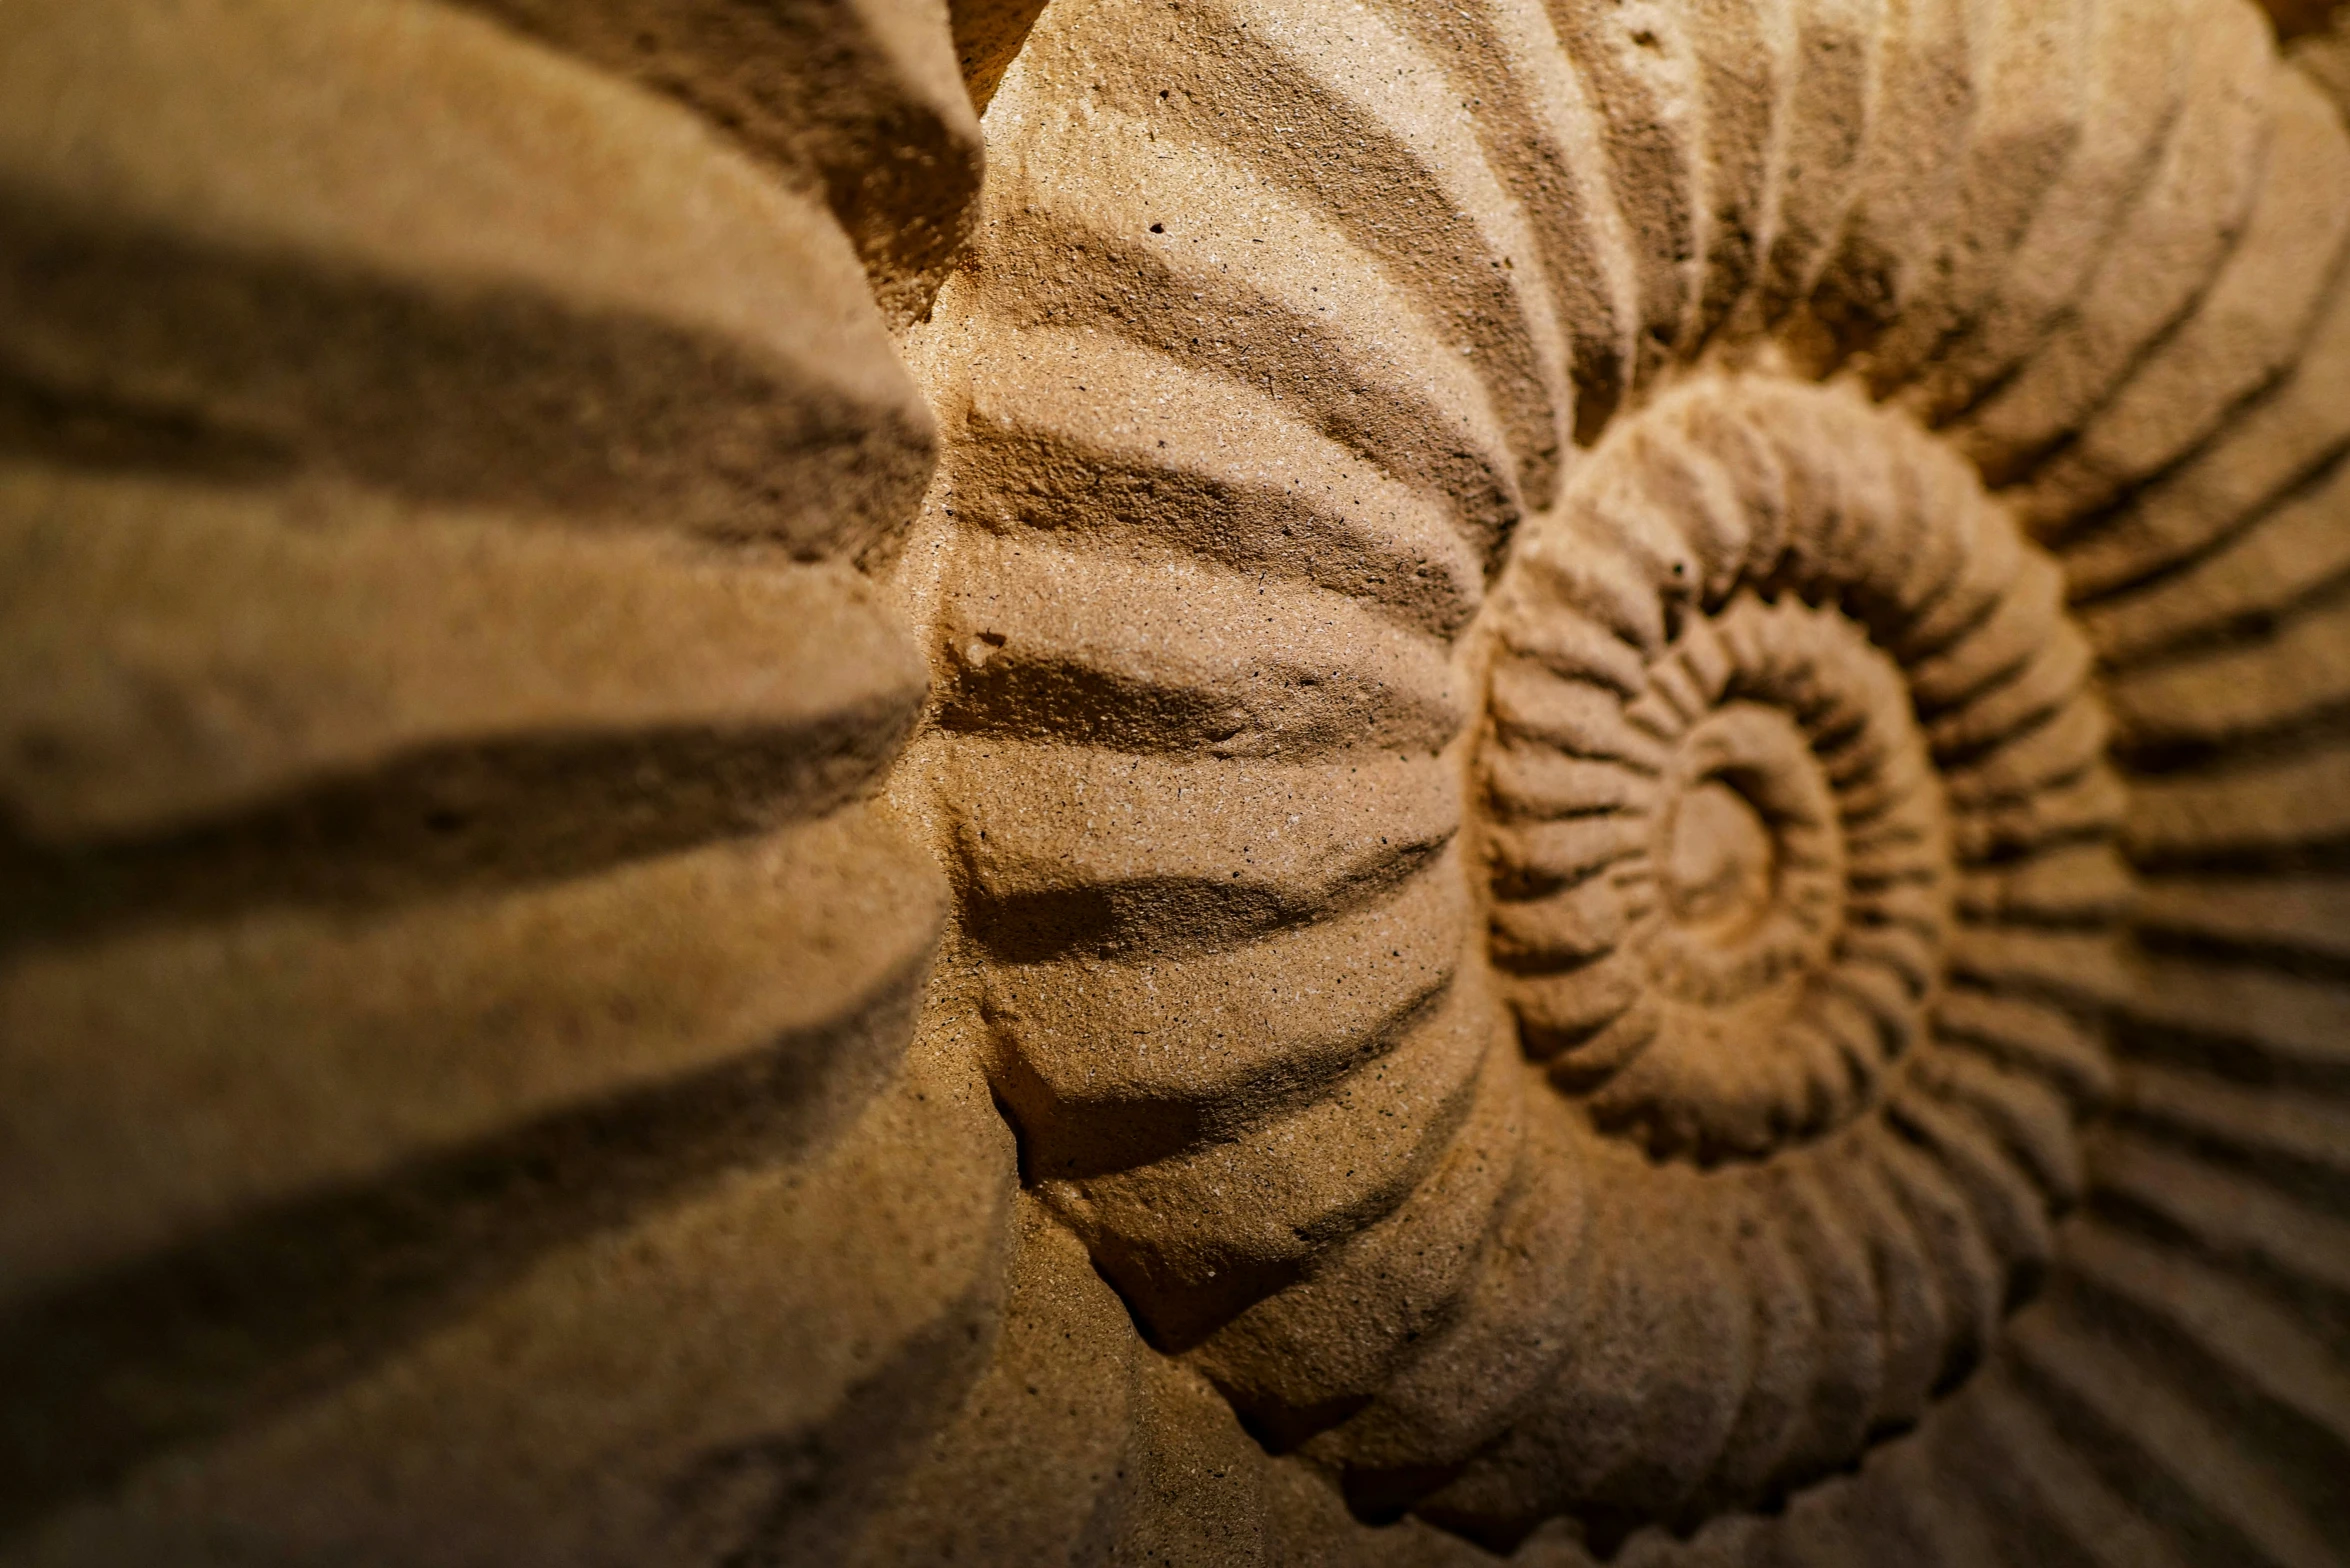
x=1255 y=781
x=436 y=263
x=457 y=979
x=859 y=102
x=672 y=1374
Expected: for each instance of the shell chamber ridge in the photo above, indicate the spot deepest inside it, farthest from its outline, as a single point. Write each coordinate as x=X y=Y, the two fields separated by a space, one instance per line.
x=1540 y=619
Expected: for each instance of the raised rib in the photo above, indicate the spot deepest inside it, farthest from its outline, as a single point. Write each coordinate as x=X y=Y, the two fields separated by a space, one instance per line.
x=815 y=91
x=2131 y=83
x=2073 y=969
x=1833 y=95
x=2261 y=807
x=442 y=265
x=1903 y=220
x=2100 y=1527
x=2244 y=1016
x=2074 y=884
x=1463 y=1386
x=1113 y=1062
x=1075 y=850
x=1195 y=1236
x=2182 y=1453
x=2162 y=257
x=2246 y=1344
x=1915 y=1324
x=2248 y=688
x=1848 y=1365
x=2283 y=440
x=2250 y=325
x=1637 y=71
x=2291 y=1133
x=2088 y=806
x=2287 y=555
x=2294 y=914
x=1393 y=1286
x=1742 y=54
x=1632 y=1432
x=2028 y=108
x=371 y=637
x=1250 y=281
x=2011 y=1213
x=1348 y=103
x=1538 y=129
x=2026 y=1032
x=2230 y=1217
x=2022 y=1110
x=136 y=1070
x=1073 y=431
x=1178 y=657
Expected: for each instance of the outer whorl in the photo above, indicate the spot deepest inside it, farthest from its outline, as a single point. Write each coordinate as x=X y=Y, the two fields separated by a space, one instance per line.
x=1621 y=727
x=1584 y=648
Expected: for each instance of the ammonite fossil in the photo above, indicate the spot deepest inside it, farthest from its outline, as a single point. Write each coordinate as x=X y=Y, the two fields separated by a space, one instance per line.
x=1568 y=642
x=1605 y=738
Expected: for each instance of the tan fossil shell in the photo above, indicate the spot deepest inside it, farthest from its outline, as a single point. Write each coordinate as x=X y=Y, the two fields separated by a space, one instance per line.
x=1403 y=458
x=466 y=910
x=452 y=960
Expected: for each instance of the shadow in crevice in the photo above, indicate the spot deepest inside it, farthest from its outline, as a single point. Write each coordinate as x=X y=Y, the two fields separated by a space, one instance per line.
x=124 y=345
x=808 y=1495
x=219 y=1333
x=445 y=820
x=1164 y=918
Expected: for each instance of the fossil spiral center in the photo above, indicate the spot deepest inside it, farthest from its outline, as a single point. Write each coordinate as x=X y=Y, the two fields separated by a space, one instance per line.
x=1748 y=858
x=1729 y=908
x=1720 y=860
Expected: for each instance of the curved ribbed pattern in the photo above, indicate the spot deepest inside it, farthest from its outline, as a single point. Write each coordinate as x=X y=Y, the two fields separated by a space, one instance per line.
x=856 y=101
x=1627 y=724
x=456 y=959
x=1551 y=919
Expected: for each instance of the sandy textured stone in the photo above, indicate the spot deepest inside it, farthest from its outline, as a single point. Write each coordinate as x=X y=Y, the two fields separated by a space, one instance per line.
x=2296 y=19
x=425 y=641
x=1856 y=1126
x=456 y=983
x=2246 y=329
x=2324 y=53
x=373 y=1044
x=859 y=101
x=677 y=1380
x=888 y=782
x=435 y=262
x=1055 y=1406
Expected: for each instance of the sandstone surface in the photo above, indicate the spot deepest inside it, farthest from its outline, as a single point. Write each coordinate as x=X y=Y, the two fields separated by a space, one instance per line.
x=1175 y=781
